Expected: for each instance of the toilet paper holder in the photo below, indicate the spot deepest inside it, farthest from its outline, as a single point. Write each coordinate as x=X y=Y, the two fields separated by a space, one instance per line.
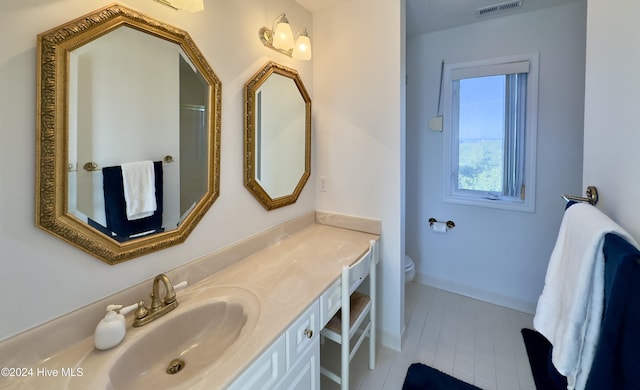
x=450 y=224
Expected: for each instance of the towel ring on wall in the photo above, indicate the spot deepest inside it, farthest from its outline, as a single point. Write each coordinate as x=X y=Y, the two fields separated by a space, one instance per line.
x=591 y=198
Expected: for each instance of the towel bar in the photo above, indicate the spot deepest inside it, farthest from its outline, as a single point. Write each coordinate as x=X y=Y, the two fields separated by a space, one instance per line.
x=92 y=167
x=591 y=198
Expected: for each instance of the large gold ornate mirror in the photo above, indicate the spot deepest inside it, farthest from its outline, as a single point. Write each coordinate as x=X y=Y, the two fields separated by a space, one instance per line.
x=277 y=136
x=128 y=115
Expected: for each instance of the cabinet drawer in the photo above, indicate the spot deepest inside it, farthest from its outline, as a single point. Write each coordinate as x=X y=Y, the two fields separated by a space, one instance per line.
x=266 y=371
x=330 y=302
x=302 y=333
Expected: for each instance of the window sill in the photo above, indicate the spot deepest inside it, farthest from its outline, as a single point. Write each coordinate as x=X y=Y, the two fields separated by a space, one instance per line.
x=527 y=206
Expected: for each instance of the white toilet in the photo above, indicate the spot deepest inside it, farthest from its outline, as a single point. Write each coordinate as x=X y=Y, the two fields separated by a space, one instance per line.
x=409 y=269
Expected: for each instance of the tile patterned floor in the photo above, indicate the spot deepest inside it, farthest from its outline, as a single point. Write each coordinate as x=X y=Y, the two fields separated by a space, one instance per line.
x=472 y=340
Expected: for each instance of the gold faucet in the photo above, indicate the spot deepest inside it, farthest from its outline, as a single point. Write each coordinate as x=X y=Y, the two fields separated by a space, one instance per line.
x=159 y=307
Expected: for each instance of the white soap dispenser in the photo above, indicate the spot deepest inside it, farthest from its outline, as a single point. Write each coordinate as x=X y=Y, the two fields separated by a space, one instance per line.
x=112 y=328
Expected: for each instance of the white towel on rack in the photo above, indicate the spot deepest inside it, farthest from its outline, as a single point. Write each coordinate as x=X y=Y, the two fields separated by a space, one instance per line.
x=569 y=311
x=139 y=182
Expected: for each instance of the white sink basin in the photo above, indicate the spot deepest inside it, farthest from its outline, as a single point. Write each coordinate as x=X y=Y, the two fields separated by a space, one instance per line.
x=198 y=335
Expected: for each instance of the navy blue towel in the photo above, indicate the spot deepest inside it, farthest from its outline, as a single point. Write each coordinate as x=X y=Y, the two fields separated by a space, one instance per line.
x=539 y=349
x=617 y=361
x=422 y=377
x=115 y=207
x=569 y=204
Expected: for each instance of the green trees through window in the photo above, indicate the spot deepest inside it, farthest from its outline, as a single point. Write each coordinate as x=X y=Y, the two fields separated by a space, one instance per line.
x=480 y=165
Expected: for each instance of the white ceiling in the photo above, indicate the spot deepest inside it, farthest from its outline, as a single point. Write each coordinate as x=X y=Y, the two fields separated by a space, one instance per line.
x=317 y=5
x=425 y=16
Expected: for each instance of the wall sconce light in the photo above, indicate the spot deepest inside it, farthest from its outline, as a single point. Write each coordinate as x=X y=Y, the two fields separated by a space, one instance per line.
x=184 y=5
x=280 y=38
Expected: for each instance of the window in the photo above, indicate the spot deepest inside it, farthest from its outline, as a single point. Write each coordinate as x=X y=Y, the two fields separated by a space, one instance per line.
x=490 y=112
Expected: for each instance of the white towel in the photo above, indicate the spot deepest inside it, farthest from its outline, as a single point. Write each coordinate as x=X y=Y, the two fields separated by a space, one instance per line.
x=569 y=311
x=139 y=182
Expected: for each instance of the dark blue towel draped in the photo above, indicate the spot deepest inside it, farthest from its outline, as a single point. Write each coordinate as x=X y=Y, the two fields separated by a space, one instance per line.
x=617 y=361
x=616 y=364
x=115 y=207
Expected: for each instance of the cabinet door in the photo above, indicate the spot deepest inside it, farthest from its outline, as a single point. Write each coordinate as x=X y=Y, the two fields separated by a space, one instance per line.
x=291 y=362
x=305 y=374
x=302 y=334
x=266 y=371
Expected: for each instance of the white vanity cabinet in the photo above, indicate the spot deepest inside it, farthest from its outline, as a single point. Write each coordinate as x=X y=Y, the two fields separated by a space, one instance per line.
x=292 y=362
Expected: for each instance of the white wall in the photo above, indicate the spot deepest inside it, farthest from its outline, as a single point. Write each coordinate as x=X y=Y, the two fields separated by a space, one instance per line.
x=492 y=254
x=43 y=277
x=143 y=129
x=359 y=109
x=611 y=132
x=282 y=123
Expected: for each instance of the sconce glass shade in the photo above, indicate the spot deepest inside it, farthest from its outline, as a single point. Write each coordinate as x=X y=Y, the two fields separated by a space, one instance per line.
x=282 y=34
x=281 y=39
x=302 y=48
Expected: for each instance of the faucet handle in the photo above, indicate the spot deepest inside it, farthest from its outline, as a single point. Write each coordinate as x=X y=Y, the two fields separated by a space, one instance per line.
x=128 y=309
x=180 y=286
x=142 y=310
x=124 y=310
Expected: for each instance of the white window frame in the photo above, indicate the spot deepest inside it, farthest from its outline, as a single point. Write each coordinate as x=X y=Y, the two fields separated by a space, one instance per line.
x=489 y=67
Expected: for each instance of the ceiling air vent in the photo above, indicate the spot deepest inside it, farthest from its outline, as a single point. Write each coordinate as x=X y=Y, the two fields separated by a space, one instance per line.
x=497 y=8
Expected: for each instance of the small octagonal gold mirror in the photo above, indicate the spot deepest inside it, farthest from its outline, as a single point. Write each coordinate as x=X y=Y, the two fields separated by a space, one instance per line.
x=277 y=136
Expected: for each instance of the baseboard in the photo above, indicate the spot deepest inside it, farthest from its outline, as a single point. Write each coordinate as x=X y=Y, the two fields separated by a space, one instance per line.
x=477 y=293
x=392 y=341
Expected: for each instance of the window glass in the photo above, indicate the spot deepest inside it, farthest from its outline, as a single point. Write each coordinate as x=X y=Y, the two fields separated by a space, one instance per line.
x=481 y=133
x=490 y=132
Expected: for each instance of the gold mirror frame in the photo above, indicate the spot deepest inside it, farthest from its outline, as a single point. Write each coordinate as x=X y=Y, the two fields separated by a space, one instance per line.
x=52 y=131
x=250 y=181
